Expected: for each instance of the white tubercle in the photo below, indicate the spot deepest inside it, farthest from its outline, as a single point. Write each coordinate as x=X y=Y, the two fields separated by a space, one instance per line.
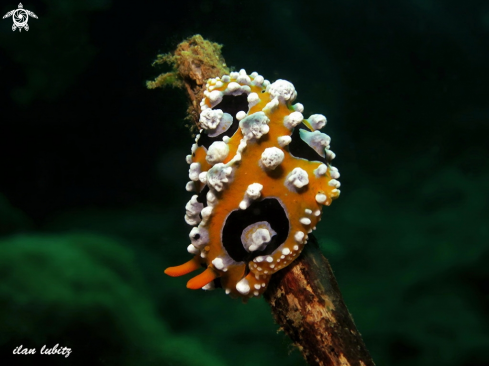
x=243 y=78
x=317 y=121
x=334 y=183
x=206 y=213
x=232 y=87
x=211 y=198
x=253 y=100
x=271 y=158
x=330 y=154
x=271 y=106
x=236 y=89
x=293 y=120
x=253 y=192
x=215 y=97
x=299 y=236
x=203 y=177
x=194 y=171
x=297 y=179
x=222 y=262
x=321 y=170
x=321 y=198
x=305 y=221
x=298 y=107
x=258 y=80
x=199 y=237
x=243 y=286
x=193 y=209
x=240 y=115
x=189 y=187
x=284 y=140
x=217 y=152
x=209 y=286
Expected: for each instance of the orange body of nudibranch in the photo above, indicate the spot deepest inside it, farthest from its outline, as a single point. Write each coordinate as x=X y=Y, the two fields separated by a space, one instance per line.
x=261 y=173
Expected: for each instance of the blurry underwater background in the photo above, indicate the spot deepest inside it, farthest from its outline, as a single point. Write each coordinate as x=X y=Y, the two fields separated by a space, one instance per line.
x=93 y=173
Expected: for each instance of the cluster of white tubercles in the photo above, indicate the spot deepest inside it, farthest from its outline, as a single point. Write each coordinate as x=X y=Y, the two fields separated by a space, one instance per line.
x=283 y=90
x=297 y=179
x=271 y=158
x=259 y=240
x=218 y=175
x=335 y=174
x=320 y=143
x=317 y=140
x=210 y=118
x=215 y=121
x=253 y=192
x=257 y=236
x=238 y=83
x=193 y=209
x=254 y=126
x=333 y=171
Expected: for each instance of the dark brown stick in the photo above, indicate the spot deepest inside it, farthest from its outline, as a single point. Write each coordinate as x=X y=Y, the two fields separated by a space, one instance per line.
x=306 y=301
x=304 y=297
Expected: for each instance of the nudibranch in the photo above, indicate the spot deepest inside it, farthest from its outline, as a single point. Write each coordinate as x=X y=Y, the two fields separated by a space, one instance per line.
x=261 y=174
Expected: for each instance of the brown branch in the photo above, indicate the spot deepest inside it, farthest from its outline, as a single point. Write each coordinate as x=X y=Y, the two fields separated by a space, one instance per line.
x=307 y=303
x=304 y=297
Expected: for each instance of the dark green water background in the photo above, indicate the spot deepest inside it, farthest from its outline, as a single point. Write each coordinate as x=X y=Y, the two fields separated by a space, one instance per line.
x=92 y=176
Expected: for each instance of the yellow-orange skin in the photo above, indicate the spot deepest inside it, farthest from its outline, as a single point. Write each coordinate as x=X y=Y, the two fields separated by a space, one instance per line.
x=246 y=172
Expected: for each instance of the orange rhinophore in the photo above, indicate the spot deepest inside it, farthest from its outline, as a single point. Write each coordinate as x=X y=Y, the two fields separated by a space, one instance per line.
x=261 y=174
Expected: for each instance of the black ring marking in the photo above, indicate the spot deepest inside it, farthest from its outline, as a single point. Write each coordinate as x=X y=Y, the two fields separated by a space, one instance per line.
x=268 y=209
